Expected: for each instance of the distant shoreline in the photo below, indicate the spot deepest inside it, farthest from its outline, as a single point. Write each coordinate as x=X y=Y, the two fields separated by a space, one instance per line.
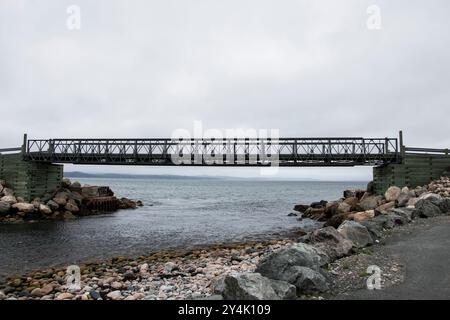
x=81 y=175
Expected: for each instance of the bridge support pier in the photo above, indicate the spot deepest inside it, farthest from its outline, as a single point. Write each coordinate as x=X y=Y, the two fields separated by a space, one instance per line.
x=415 y=170
x=29 y=179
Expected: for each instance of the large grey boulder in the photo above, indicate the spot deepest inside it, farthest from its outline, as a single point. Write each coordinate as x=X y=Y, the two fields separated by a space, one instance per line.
x=405 y=212
x=398 y=219
x=274 y=265
x=330 y=241
x=284 y=290
x=253 y=286
x=385 y=221
x=375 y=228
x=431 y=197
x=305 y=279
x=218 y=285
x=355 y=232
x=427 y=207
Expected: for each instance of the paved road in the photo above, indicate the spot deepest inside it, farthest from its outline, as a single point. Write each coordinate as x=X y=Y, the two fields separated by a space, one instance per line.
x=426 y=256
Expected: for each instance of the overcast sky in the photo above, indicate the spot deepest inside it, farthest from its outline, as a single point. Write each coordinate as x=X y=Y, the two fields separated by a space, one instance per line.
x=146 y=68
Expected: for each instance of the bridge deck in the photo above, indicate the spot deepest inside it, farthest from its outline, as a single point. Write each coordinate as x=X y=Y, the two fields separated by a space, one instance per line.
x=287 y=152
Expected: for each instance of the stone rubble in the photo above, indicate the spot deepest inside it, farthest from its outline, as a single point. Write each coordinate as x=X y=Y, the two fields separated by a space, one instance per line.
x=68 y=202
x=186 y=274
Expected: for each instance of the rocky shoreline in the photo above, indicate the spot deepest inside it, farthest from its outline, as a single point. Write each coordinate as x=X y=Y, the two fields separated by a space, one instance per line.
x=316 y=264
x=68 y=202
x=169 y=274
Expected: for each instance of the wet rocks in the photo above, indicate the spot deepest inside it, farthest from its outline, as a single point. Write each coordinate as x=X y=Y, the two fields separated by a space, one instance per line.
x=68 y=202
x=314 y=213
x=301 y=207
x=355 y=232
x=71 y=207
x=126 y=203
x=319 y=204
x=336 y=220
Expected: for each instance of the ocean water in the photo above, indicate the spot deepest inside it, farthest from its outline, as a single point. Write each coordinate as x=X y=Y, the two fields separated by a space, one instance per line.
x=176 y=214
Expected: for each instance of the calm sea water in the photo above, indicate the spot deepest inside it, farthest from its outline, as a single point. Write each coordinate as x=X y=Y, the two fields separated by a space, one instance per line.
x=177 y=213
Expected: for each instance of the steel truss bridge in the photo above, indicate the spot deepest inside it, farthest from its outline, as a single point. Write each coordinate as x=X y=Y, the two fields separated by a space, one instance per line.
x=284 y=152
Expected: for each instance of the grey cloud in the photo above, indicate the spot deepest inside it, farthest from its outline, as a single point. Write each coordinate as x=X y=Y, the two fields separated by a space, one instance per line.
x=146 y=68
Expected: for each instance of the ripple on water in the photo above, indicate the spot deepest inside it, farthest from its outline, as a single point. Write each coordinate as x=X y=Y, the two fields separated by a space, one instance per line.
x=184 y=213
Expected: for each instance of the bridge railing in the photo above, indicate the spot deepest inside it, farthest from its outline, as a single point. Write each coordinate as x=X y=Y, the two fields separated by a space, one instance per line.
x=235 y=151
x=10 y=149
x=414 y=150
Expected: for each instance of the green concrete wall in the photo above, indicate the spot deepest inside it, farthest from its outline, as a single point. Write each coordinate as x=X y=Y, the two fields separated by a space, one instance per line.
x=415 y=170
x=29 y=179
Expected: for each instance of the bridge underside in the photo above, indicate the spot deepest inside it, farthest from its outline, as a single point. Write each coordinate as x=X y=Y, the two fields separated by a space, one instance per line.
x=223 y=161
